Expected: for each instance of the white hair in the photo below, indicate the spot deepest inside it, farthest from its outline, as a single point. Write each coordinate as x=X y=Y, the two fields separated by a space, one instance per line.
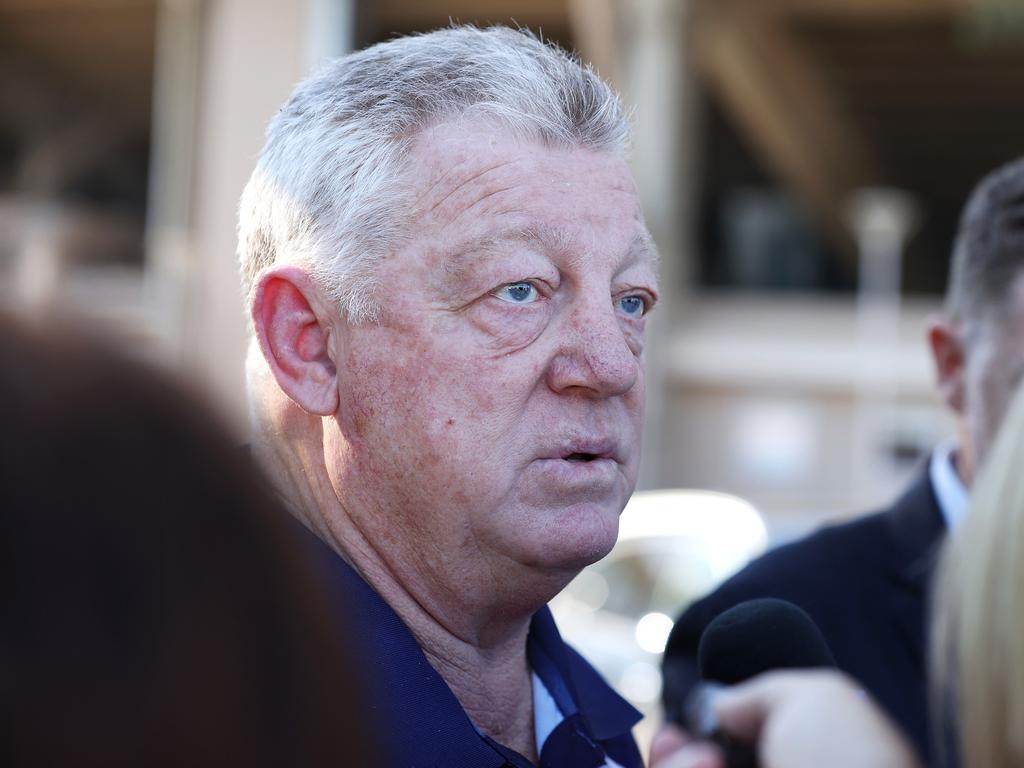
x=326 y=190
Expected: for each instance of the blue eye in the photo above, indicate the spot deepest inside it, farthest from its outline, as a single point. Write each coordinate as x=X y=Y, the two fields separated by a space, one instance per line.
x=518 y=293
x=632 y=306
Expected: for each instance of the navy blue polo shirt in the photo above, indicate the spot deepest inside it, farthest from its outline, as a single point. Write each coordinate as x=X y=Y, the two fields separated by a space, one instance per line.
x=422 y=724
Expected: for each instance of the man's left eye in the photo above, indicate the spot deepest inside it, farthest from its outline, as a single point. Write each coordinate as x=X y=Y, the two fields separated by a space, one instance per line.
x=518 y=293
x=632 y=306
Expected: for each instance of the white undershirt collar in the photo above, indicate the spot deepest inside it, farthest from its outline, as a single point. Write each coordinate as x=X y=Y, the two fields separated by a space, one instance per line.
x=950 y=491
x=547 y=716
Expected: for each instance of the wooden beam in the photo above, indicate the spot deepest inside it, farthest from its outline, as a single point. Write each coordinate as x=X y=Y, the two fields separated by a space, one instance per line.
x=428 y=14
x=49 y=6
x=776 y=100
x=868 y=9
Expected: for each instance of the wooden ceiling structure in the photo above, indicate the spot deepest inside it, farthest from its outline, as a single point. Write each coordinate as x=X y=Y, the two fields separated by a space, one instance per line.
x=829 y=95
x=75 y=86
x=833 y=95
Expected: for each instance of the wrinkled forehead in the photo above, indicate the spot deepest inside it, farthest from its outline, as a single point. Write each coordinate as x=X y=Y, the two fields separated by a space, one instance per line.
x=448 y=156
x=481 y=190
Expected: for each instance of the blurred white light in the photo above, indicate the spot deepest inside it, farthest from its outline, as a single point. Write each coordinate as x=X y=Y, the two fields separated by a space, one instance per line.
x=652 y=632
x=775 y=440
x=729 y=529
x=640 y=682
x=590 y=589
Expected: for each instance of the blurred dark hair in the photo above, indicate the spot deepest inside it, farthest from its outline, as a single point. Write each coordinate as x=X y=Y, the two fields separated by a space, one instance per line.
x=989 y=250
x=155 y=608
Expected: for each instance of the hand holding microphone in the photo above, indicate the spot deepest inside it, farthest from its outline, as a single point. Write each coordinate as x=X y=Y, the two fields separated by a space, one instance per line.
x=796 y=719
x=750 y=638
x=781 y=719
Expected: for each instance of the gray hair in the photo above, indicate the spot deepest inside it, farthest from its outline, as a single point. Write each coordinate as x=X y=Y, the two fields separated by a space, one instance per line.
x=326 y=191
x=989 y=250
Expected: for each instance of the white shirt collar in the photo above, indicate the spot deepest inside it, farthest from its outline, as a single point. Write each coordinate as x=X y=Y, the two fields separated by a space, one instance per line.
x=950 y=491
x=547 y=716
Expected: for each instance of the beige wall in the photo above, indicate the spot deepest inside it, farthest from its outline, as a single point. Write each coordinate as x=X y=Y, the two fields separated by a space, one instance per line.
x=778 y=401
x=253 y=52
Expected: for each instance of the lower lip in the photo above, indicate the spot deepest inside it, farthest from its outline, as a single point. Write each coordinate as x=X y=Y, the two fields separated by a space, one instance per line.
x=578 y=473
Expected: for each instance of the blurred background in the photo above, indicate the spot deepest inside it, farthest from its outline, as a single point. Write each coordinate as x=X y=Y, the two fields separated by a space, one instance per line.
x=802 y=164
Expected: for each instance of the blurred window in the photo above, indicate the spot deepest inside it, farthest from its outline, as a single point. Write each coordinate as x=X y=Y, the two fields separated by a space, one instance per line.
x=76 y=82
x=801 y=104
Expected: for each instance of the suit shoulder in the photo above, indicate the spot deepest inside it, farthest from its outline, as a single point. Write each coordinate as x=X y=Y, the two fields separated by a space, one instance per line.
x=830 y=545
x=803 y=570
x=841 y=575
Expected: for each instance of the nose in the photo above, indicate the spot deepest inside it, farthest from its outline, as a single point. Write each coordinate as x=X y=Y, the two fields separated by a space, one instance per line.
x=593 y=357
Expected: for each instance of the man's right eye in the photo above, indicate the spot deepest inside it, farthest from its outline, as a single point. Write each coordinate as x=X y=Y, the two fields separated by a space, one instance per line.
x=518 y=293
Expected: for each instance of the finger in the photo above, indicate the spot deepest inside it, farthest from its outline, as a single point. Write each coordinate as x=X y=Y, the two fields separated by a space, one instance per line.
x=741 y=713
x=743 y=709
x=667 y=740
x=696 y=754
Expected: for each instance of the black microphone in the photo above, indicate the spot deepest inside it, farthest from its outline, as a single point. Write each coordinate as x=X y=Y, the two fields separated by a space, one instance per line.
x=750 y=638
x=757 y=636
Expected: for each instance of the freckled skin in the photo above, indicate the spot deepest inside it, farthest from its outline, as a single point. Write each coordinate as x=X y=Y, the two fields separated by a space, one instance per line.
x=449 y=401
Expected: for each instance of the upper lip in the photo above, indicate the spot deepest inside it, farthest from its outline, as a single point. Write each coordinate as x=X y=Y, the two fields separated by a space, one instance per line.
x=593 y=447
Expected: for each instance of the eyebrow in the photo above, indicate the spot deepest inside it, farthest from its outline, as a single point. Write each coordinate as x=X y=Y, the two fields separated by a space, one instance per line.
x=643 y=248
x=546 y=238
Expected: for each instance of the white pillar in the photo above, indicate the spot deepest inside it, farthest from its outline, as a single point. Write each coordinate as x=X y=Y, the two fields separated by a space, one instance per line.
x=658 y=81
x=169 y=245
x=254 y=53
x=330 y=30
x=881 y=220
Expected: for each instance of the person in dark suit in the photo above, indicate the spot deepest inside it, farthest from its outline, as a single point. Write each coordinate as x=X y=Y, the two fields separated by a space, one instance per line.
x=865 y=583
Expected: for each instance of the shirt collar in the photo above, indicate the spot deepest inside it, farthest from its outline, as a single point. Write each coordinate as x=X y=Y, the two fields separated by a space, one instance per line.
x=424 y=721
x=950 y=492
x=546 y=714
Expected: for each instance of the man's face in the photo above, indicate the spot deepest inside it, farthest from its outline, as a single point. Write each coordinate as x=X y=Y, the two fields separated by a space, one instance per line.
x=492 y=417
x=994 y=367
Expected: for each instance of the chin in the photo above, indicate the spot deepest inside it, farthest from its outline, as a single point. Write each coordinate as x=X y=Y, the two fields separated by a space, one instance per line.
x=548 y=565
x=580 y=538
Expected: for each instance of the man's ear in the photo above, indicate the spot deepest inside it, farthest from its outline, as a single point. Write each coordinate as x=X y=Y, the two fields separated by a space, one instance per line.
x=292 y=325
x=945 y=339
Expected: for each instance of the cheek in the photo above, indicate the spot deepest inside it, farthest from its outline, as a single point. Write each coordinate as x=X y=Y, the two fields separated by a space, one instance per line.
x=633 y=333
x=985 y=393
x=421 y=411
x=636 y=406
x=404 y=443
x=997 y=395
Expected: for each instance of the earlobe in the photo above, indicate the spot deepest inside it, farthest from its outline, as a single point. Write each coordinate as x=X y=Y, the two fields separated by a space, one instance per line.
x=294 y=336
x=947 y=348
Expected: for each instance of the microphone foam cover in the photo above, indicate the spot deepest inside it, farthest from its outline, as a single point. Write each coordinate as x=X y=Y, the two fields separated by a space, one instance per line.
x=757 y=636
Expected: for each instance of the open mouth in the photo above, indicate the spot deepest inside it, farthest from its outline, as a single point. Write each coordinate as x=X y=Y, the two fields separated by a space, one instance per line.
x=582 y=457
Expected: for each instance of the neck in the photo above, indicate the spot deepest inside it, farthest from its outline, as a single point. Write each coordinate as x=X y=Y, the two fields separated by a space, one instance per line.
x=482 y=661
x=477 y=646
x=963 y=456
x=492 y=684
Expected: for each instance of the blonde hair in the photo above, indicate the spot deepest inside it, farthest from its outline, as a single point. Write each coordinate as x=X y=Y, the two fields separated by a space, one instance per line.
x=978 y=629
